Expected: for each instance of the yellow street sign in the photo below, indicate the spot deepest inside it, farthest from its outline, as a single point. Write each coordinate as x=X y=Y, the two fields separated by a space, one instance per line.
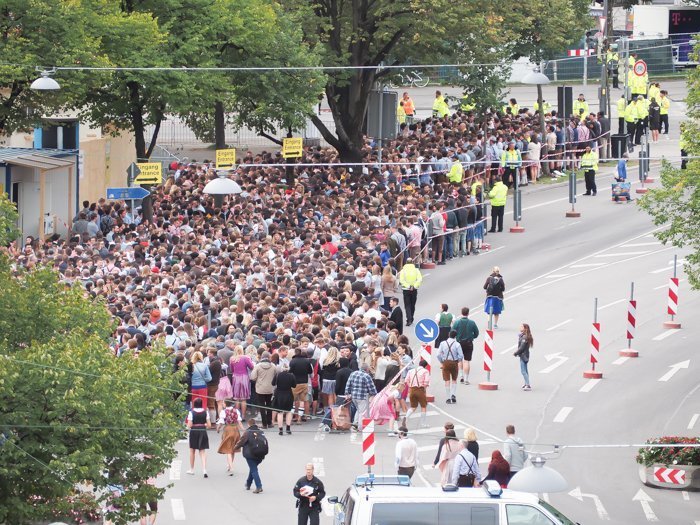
x=225 y=158
x=151 y=173
x=292 y=147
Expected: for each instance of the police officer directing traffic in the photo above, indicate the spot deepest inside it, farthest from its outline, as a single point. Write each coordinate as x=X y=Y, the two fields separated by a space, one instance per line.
x=309 y=492
x=410 y=280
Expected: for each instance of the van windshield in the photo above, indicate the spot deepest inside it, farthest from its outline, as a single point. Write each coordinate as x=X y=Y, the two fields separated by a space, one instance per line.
x=557 y=514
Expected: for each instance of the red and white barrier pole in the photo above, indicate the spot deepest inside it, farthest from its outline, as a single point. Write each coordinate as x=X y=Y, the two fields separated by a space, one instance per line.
x=368 y=456
x=595 y=345
x=631 y=325
x=426 y=353
x=672 y=307
x=488 y=358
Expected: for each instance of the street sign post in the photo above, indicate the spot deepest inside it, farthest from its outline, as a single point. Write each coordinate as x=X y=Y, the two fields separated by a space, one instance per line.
x=127 y=194
x=426 y=330
x=132 y=172
x=150 y=173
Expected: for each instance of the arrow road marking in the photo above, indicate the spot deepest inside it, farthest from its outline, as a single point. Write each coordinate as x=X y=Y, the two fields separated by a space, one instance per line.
x=674 y=368
x=693 y=420
x=563 y=414
x=558 y=325
x=664 y=335
x=589 y=385
x=602 y=513
x=561 y=360
x=644 y=499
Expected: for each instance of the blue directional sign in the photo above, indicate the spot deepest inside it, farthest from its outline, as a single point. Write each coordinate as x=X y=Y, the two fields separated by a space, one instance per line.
x=127 y=194
x=426 y=330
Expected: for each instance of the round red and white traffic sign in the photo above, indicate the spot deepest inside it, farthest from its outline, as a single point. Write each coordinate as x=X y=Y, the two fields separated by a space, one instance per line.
x=640 y=68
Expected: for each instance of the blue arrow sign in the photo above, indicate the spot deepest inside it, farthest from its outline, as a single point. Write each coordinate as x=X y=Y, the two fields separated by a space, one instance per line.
x=426 y=330
x=127 y=194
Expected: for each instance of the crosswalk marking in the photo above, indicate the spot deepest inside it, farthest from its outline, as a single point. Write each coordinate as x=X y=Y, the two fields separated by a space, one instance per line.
x=589 y=385
x=563 y=414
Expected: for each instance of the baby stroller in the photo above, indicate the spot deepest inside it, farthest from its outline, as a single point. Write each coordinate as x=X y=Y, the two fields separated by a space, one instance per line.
x=338 y=417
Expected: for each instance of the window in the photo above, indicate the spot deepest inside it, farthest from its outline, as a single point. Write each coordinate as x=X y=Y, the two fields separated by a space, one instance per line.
x=526 y=515
x=404 y=513
x=468 y=514
x=348 y=511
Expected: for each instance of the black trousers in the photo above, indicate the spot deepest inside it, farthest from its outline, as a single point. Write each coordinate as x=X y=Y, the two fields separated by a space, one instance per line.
x=509 y=175
x=308 y=515
x=265 y=400
x=589 y=177
x=631 y=128
x=615 y=74
x=641 y=129
x=497 y=217
x=664 y=123
x=409 y=302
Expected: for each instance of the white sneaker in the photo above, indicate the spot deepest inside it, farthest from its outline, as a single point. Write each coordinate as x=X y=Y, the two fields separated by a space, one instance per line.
x=190 y=472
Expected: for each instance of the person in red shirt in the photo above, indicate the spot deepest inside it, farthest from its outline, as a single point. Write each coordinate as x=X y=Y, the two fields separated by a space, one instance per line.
x=328 y=245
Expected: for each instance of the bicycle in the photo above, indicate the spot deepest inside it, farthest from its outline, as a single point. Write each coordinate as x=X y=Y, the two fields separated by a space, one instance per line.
x=408 y=79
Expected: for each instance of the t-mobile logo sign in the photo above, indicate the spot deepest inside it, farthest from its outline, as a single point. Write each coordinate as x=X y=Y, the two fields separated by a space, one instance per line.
x=675 y=18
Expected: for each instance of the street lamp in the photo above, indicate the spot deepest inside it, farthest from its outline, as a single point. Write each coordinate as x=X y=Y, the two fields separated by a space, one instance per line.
x=221 y=186
x=45 y=82
x=538 y=478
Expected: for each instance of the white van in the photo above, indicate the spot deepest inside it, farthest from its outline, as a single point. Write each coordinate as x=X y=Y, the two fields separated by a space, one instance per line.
x=390 y=500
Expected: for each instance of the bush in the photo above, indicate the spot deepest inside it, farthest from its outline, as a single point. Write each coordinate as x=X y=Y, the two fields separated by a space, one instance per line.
x=670 y=455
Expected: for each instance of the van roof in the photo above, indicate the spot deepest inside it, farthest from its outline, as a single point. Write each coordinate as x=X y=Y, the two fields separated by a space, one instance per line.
x=426 y=494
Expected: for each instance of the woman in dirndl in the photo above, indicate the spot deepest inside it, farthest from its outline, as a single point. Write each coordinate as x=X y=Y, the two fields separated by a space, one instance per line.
x=198 y=422
x=230 y=421
x=240 y=366
x=224 y=392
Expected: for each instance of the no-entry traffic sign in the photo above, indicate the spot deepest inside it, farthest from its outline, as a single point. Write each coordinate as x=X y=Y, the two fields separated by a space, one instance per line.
x=640 y=68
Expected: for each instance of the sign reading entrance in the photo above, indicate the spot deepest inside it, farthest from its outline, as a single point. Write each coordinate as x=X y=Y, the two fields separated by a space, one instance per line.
x=292 y=147
x=151 y=173
x=225 y=158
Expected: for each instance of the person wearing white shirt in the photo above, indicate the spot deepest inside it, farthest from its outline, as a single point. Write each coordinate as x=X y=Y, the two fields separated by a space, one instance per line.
x=465 y=472
x=406 y=453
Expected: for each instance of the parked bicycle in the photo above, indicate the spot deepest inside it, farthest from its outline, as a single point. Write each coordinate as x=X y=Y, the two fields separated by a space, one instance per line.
x=408 y=79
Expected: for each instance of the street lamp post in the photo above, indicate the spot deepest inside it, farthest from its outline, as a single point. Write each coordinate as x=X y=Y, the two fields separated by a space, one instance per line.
x=538 y=478
x=220 y=187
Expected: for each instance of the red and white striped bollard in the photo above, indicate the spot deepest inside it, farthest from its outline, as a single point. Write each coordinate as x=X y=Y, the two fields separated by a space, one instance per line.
x=595 y=345
x=368 y=456
x=488 y=361
x=631 y=326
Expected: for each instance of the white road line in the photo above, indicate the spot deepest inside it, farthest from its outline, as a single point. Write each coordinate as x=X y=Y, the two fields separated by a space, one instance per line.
x=639 y=244
x=620 y=360
x=477 y=429
x=612 y=304
x=178 y=508
x=621 y=254
x=693 y=420
x=686 y=496
x=556 y=275
x=586 y=265
x=509 y=349
x=175 y=470
x=558 y=325
x=661 y=270
x=427 y=448
x=432 y=430
x=562 y=415
x=664 y=335
x=589 y=385
x=665 y=285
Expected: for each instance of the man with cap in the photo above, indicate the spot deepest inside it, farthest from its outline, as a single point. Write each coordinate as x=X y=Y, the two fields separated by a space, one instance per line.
x=410 y=280
x=511 y=160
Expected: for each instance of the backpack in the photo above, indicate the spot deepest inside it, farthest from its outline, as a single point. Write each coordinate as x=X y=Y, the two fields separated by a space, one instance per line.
x=494 y=286
x=106 y=223
x=257 y=444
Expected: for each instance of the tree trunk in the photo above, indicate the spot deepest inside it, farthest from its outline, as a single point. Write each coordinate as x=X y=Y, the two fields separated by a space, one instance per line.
x=289 y=169
x=219 y=125
x=136 y=112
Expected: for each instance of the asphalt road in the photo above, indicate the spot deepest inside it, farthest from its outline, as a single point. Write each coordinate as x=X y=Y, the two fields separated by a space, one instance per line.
x=553 y=273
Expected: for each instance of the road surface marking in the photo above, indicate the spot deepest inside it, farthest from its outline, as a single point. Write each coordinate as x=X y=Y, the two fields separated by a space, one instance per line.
x=612 y=304
x=432 y=430
x=686 y=496
x=664 y=335
x=556 y=275
x=509 y=349
x=645 y=501
x=693 y=420
x=640 y=244
x=175 y=468
x=477 y=429
x=550 y=357
x=600 y=509
x=586 y=265
x=589 y=385
x=674 y=369
x=178 y=509
x=319 y=468
x=558 y=325
x=620 y=360
x=491 y=251
x=621 y=254
x=563 y=414
x=668 y=267
x=665 y=285
x=526 y=286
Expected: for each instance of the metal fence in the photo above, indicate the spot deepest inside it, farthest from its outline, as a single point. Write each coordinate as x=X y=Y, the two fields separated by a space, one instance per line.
x=177 y=134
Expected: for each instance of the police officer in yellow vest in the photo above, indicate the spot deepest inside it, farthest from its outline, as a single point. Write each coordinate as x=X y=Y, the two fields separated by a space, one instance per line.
x=642 y=119
x=410 y=280
x=546 y=106
x=654 y=91
x=498 y=196
x=612 y=61
x=631 y=120
x=514 y=107
x=621 y=105
x=581 y=107
x=466 y=104
x=665 y=104
x=401 y=113
x=589 y=165
x=440 y=107
x=511 y=160
x=456 y=171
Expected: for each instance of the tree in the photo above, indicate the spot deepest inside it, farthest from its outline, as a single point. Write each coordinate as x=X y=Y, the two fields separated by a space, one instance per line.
x=42 y=32
x=8 y=221
x=73 y=415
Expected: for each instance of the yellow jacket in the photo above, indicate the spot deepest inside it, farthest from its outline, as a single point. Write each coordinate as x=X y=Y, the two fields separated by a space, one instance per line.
x=498 y=194
x=654 y=92
x=589 y=161
x=631 y=112
x=621 y=105
x=401 y=114
x=440 y=107
x=580 y=105
x=511 y=159
x=456 y=172
x=410 y=276
x=665 y=103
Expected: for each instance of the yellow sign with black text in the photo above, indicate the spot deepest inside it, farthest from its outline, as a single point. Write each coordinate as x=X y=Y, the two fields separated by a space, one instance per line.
x=151 y=173
x=292 y=147
x=225 y=158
